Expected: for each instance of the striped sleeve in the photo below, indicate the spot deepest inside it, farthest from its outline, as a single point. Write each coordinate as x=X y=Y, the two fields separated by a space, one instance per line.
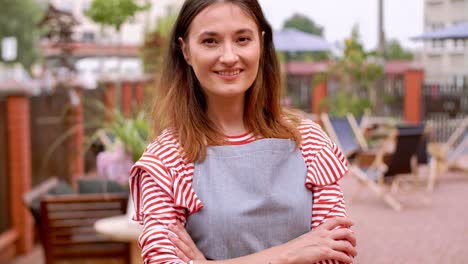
x=326 y=165
x=158 y=212
x=160 y=186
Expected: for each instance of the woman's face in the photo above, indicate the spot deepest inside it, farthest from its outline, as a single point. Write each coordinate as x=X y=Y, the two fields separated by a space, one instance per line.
x=223 y=48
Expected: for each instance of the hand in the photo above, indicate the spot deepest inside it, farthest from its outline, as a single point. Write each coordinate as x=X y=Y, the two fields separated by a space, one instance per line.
x=186 y=249
x=333 y=240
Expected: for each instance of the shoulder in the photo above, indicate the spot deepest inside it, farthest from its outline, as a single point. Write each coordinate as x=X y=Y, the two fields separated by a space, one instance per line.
x=164 y=146
x=162 y=158
x=325 y=162
x=312 y=133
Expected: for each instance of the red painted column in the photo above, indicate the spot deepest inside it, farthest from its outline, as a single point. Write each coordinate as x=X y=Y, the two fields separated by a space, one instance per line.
x=109 y=99
x=127 y=98
x=319 y=93
x=19 y=168
x=139 y=95
x=413 y=95
x=76 y=142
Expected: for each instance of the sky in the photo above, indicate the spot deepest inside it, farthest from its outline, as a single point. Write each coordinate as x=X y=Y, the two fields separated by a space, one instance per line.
x=403 y=18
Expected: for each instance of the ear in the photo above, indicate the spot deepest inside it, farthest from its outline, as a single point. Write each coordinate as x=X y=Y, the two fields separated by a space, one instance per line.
x=185 y=50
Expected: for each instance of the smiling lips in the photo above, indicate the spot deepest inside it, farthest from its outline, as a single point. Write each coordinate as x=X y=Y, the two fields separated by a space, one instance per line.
x=229 y=75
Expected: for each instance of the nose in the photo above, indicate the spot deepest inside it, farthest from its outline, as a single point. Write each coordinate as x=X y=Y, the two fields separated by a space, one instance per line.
x=229 y=56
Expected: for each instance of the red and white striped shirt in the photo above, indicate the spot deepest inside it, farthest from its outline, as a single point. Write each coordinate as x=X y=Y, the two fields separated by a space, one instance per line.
x=162 y=193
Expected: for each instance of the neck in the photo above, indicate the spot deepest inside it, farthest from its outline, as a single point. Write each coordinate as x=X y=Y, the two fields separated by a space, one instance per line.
x=228 y=115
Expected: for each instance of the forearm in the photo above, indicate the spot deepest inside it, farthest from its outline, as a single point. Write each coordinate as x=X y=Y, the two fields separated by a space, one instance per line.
x=273 y=255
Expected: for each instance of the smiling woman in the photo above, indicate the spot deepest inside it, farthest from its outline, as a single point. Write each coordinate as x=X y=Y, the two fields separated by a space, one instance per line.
x=232 y=176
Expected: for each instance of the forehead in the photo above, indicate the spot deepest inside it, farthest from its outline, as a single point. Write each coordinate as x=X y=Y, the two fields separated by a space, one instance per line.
x=222 y=17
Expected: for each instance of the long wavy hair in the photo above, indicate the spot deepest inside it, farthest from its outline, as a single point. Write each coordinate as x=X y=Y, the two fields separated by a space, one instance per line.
x=180 y=103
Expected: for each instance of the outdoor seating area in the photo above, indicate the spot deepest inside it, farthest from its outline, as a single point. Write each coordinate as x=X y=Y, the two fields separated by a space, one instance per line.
x=83 y=94
x=380 y=229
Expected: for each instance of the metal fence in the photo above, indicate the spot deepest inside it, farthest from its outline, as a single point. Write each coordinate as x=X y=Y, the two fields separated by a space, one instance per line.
x=444 y=105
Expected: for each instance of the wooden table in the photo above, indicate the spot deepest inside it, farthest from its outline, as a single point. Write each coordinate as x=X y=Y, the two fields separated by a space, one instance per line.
x=119 y=228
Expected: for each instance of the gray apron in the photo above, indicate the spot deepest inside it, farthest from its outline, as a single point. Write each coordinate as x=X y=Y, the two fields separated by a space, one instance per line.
x=254 y=198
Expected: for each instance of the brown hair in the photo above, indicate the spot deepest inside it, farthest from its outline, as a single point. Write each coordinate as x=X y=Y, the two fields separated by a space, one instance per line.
x=180 y=102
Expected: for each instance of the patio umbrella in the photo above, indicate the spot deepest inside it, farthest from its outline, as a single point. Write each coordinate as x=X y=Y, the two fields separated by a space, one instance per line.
x=459 y=31
x=292 y=40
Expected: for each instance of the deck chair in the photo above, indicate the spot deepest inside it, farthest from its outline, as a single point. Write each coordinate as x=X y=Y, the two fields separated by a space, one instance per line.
x=385 y=168
x=448 y=155
x=345 y=132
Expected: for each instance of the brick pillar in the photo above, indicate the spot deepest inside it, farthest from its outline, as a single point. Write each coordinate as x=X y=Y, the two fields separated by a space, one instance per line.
x=75 y=143
x=109 y=99
x=413 y=95
x=19 y=168
x=319 y=93
x=139 y=95
x=127 y=99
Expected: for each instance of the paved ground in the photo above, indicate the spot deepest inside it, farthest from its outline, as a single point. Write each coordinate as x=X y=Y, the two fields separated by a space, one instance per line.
x=421 y=233
x=434 y=233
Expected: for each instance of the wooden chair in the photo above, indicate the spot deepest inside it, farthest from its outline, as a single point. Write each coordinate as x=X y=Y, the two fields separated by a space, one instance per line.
x=448 y=155
x=67 y=226
x=65 y=222
x=383 y=167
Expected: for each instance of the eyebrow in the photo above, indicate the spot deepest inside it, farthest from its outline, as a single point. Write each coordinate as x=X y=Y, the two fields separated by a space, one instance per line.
x=214 y=34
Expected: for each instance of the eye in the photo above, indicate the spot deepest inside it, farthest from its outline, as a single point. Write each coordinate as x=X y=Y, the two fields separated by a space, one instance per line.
x=209 y=42
x=244 y=40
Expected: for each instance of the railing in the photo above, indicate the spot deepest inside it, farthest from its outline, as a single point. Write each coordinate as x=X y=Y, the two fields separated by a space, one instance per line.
x=444 y=106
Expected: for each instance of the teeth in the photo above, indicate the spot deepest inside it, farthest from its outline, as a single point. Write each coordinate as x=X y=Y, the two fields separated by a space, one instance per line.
x=229 y=73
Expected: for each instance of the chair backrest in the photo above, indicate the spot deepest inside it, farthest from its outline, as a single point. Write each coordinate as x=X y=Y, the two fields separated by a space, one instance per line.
x=54 y=186
x=68 y=226
x=88 y=185
x=460 y=149
x=457 y=135
x=341 y=131
x=408 y=140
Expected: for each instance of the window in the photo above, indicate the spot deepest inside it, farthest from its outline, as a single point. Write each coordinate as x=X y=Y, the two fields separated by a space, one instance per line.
x=434 y=2
x=88 y=37
x=438 y=44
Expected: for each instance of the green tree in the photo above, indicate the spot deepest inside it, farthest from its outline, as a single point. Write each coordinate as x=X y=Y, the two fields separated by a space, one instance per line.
x=19 y=19
x=114 y=13
x=394 y=51
x=357 y=74
x=305 y=24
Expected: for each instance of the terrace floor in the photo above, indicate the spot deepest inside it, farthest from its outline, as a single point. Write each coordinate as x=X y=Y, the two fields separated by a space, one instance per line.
x=422 y=233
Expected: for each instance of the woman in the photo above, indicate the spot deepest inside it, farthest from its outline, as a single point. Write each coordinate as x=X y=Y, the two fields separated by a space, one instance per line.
x=232 y=176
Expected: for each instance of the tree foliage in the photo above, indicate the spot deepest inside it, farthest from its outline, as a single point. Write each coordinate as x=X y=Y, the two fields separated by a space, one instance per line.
x=394 y=51
x=19 y=19
x=357 y=74
x=304 y=24
x=113 y=12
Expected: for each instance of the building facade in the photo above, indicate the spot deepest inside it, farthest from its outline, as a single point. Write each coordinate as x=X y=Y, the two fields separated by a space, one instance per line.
x=445 y=60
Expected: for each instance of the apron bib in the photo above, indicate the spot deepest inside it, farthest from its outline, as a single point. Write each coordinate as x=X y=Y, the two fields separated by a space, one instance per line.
x=254 y=198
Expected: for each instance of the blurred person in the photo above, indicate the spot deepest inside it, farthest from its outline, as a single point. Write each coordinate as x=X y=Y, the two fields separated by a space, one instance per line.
x=233 y=176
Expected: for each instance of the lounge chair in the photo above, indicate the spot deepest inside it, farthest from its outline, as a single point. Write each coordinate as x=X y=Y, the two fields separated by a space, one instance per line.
x=451 y=155
x=384 y=167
